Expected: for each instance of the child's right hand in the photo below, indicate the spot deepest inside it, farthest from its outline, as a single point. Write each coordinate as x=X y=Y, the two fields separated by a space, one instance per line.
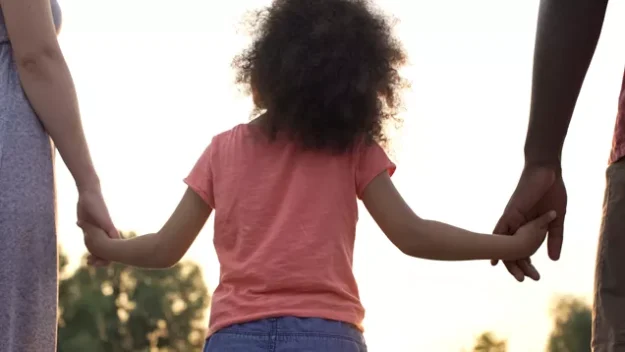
x=531 y=236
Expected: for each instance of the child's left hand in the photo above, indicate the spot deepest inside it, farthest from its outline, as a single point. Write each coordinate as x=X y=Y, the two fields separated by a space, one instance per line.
x=94 y=238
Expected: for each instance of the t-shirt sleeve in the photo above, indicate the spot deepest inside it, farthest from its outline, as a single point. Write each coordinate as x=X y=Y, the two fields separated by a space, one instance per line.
x=200 y=179
x=370 y=162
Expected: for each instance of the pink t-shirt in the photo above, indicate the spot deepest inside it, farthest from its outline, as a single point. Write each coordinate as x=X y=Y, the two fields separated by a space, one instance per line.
x=285 y=224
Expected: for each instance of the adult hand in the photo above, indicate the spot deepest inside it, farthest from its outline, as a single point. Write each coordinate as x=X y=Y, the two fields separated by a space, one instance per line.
x=92 y=209
x=540 y=189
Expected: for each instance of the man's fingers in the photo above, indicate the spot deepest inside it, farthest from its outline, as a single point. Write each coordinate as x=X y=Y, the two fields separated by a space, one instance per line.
x=554 y=240
x=528 y=269
x=500 y=229
x=543 y=221
x=507 y=225
x=515 y=271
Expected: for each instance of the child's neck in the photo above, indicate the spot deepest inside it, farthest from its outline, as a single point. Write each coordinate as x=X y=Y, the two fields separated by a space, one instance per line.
x=259 y=121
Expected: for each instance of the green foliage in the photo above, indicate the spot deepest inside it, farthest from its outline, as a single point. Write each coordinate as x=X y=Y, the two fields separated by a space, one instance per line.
x=572 y=326
x=125 y=309
x=488 y=342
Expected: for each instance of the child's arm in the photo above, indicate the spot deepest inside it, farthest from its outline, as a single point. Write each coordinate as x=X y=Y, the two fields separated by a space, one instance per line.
x=435 y=240
x=157 y=250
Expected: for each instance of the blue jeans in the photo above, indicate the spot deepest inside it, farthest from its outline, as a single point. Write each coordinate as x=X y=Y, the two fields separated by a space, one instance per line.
x=287 y=334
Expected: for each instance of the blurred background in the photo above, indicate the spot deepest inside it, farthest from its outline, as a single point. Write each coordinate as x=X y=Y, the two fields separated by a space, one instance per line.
x=155 y=84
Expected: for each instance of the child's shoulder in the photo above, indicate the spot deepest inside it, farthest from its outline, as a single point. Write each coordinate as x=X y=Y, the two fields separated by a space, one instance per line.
x=236 y=139
x=236 y=132
x=231 y=132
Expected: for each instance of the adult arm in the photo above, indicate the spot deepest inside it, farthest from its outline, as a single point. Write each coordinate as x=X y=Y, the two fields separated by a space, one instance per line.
x=566 y=38
x=48 y=84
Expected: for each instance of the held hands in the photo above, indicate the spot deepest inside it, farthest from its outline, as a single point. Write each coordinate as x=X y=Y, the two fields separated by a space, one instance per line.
x=540 y=190
x=95 y=238
x=531 y=236
x=91 y=209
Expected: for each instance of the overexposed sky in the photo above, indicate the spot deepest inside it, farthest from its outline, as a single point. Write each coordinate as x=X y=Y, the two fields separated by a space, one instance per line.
x=155 y=85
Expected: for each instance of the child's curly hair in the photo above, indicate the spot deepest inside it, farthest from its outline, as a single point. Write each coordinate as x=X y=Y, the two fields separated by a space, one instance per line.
x=325 y=71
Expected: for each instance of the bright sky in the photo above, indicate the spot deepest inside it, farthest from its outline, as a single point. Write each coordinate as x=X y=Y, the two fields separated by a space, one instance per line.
x=155 y=85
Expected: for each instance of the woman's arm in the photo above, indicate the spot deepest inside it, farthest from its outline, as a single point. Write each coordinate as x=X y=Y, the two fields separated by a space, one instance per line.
x=48 y=84
x=158 y=250
x=436 y=240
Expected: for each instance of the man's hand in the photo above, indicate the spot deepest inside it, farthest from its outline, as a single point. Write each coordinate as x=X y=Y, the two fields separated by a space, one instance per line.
x=540 y=189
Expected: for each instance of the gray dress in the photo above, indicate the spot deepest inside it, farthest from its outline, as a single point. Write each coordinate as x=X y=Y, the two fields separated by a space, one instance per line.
x=28 y=247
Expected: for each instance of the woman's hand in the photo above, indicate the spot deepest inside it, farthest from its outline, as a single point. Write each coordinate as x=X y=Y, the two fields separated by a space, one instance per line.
x=91 y=209
x=95 y=239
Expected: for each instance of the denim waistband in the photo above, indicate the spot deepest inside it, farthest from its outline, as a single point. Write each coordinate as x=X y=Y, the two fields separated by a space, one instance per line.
x=291 y=326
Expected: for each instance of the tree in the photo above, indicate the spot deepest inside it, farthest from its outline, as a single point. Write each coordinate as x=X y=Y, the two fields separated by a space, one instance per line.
x=572 y=326
x=488 y=342
x=125 y=309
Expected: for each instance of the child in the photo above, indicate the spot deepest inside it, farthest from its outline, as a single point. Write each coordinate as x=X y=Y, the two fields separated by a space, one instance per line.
x=284 y=187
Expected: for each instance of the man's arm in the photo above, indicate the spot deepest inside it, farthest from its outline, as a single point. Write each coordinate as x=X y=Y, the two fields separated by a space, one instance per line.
x=566 y=38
